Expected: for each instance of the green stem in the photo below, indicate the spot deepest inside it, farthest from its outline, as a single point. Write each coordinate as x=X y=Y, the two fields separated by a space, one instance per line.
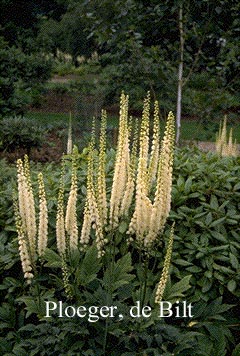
x=105 y=337
x=112 y=250
x=145 y=280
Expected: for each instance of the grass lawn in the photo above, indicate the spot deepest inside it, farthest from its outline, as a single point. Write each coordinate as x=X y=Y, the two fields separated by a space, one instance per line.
x=46 y=119
x=190 y=129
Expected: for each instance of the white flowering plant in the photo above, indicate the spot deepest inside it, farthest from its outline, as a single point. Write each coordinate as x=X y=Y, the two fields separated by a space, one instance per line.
x=110 y=245
x=118 y=248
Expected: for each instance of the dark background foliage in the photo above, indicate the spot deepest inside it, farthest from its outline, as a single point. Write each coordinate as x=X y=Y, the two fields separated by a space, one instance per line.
x=138 y=50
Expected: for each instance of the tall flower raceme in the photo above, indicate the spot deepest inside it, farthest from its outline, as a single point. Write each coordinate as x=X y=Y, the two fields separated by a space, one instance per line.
x=71 y=211
x=60 y=221
x=27 y=205
x=139 y=223
x=66 y=222
x=23 y=247
x=164 y=277
x=130 y=186
x=232 y=148
x=122 y=169
x=154 y=169
x=31 y=243
x=93 y=215
x=43 y=217
x=69 y=140
x=101 y=177
x=155 y=147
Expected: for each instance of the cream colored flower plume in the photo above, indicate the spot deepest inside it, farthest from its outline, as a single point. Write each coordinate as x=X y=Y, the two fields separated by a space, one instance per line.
x=43 y=218
x=71 y=211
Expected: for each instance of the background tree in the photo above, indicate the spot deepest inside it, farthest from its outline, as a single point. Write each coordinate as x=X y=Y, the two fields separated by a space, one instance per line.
x=139 y=38
x=138 y=46
x=20 y=76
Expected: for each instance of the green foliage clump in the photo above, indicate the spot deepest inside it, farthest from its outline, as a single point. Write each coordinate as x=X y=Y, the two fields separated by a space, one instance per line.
x=21 y=78
x=206 y=210
x=205 y=206
x=20 y=132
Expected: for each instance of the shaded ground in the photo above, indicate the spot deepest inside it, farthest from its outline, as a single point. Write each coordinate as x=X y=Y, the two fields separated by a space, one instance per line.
x=51 y=150
x=55 y=103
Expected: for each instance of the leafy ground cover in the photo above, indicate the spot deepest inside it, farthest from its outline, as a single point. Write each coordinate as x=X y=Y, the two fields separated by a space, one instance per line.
x=205 y=271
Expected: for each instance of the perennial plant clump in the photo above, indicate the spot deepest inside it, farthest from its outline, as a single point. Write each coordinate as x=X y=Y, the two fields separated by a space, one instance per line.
x=204 y=266
x=140 y=193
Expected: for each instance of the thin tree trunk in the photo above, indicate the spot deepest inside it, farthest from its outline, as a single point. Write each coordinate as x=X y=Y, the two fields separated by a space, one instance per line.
x=180 y=76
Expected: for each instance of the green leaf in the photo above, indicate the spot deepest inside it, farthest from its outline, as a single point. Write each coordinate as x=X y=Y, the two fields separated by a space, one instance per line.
x=214 y=202
x=117 y=273
x=236 y=351
x=231 y=221
x=175 y=291
x=217 y=222
x=232 y=285
x=207 y=285
x=216 y=307
x=89 y=267
x=234 y=260
x=194 y=269
x=123 y=226
x=219 y=236
x=216 y=333
x=209 y=219
x=180 y=182
x=181 y=262
x=236 y=186
x=18 y=351
x=53 y=259
x=188 y=185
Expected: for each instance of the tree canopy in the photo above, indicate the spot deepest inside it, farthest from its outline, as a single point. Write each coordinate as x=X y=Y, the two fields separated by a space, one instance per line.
x=137 y=40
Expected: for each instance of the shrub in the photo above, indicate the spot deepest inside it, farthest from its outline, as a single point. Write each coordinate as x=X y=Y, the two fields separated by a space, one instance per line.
x=20 y=132
x=20 y=74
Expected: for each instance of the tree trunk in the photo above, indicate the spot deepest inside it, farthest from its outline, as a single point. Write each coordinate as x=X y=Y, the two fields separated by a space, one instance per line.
x=180 y=76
